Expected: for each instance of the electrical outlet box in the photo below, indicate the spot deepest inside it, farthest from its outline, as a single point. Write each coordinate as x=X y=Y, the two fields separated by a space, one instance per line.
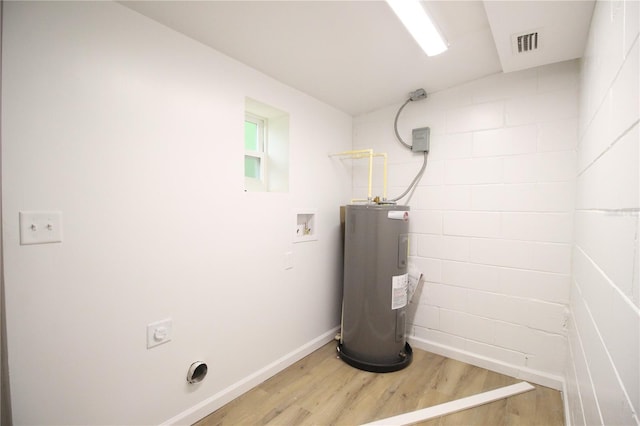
x=159 y=332
x=420 y=139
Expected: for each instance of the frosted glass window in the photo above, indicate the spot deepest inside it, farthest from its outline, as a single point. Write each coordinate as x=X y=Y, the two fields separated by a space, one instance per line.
x=252 y=167
x=266 y=148
x=250 y=136
x=255 y=128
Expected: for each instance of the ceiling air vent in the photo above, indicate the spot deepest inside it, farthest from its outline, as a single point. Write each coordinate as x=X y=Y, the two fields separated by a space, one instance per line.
x=526 y=42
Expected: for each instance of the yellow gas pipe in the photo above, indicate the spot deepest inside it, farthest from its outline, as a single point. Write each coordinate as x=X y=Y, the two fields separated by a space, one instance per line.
x=364 y=153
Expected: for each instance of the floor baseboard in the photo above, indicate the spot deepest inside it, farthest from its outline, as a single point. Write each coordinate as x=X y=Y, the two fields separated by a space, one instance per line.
x=209 y=405
x=535 y=376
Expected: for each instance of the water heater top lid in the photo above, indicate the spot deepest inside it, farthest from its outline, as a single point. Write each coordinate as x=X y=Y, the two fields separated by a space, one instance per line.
x=390 y=207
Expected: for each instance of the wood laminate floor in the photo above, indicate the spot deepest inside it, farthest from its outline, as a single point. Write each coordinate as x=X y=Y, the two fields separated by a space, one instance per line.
x=321 y=389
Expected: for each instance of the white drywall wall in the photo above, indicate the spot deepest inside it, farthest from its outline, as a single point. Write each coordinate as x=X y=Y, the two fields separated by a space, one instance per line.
x=135 y=133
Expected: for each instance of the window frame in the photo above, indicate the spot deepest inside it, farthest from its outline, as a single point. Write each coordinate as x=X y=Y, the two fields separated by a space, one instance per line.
x=251 y=183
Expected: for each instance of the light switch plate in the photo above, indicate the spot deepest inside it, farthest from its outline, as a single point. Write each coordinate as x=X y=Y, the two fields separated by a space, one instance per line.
x=38 y=227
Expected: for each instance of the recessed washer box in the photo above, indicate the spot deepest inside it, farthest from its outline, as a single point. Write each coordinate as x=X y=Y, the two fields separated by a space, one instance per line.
x=306 y=226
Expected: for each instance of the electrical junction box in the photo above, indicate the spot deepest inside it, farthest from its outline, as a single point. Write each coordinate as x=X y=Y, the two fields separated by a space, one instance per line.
x=420 y=139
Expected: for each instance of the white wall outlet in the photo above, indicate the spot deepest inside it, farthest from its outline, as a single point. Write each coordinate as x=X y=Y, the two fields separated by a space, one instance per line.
x=40 y=227
x=288 y=260
x=159 y=332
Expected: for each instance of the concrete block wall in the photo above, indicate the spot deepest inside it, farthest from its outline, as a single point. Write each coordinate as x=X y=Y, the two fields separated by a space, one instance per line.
x=492 y=218
x=603 y=373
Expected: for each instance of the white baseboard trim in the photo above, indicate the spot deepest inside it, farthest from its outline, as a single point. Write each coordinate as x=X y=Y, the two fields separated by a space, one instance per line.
x=565 y=403
x=209 y=405
x=545 y=379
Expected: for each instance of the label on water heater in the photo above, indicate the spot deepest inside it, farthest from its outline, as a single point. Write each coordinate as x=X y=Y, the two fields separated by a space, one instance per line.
x=399 y=286
x=398 y=215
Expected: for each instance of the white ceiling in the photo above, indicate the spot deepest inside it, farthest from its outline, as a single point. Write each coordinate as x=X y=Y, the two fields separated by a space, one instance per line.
x=563 y=27
x=356 y=55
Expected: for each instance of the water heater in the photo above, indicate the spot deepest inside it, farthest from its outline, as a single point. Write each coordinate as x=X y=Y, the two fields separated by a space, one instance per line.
x=375 y=292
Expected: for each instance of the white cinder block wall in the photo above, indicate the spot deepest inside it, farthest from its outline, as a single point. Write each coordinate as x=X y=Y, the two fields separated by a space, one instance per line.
x=134 y=132
x=603 y=375
x=491 y=222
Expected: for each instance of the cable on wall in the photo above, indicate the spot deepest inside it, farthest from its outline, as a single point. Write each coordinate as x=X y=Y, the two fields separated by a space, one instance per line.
x=415 y=181
x=413 y=96
x=395 y=125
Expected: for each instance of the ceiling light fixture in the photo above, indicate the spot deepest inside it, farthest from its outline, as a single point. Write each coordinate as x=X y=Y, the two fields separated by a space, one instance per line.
x=420 y=25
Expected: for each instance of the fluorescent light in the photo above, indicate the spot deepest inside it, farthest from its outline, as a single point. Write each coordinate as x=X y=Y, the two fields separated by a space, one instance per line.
x=418 y=23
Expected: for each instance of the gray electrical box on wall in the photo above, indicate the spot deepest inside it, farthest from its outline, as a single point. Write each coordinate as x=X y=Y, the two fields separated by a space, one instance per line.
x=420 y=138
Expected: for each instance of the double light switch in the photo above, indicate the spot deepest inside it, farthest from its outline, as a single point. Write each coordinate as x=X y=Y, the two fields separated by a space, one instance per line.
x=40 y=227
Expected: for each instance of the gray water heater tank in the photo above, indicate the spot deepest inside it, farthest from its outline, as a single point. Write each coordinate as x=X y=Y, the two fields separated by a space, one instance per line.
x=376 y=248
